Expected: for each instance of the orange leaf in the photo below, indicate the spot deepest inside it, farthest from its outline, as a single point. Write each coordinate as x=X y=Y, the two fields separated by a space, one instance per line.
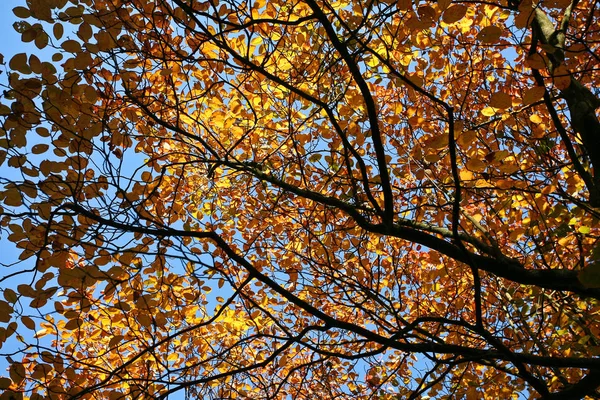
x=404 y=5
x=72 y=46
x=454 y=13
x=532 y=95
x=489 y=34
x=536 y=61
x=501 y=100
x=475 y=164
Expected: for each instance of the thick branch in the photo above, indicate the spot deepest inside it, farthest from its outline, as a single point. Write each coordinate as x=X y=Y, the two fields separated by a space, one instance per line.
x=581 y=101
x=585 y=387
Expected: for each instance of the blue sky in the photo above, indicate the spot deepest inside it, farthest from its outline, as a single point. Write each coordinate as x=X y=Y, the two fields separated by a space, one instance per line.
x=10 y=42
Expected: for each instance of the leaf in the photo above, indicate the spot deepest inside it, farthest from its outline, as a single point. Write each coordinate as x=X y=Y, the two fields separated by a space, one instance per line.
x=404 y=5
x=71 y=46
x=5 y=383
x=58 y=30
x=524 y=18
x=73 y=324
x=26 y=290
x=40 y=148
x=144 y=320
x=10 y=295
x=558 y=3
x=443 y=4
x=17 y=373
x=475 y=164
x=537 y=61
x=28 y=323
x=114 y=341
x=466 y=175
x=41 y=41
x=501 y=100
x=533 y=94
x=21 y=12
x=427 y=13
x=535 y=118
x=454 y=13
x=488 y=111
x=489 y=34
x=19 y=63
x=5 y=311
x=584 y=230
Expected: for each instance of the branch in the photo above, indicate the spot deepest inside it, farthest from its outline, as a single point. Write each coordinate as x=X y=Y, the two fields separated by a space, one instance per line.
x=371 y=110
x=331 y=322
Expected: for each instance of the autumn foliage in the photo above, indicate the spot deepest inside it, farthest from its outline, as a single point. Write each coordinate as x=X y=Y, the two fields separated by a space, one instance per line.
x=307 y=199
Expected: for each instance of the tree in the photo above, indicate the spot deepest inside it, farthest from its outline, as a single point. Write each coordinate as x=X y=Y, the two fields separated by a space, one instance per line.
x=303 y=199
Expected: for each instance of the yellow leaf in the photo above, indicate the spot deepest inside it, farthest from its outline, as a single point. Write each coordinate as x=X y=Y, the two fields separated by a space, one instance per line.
x=466 y=175
x=488 y=111
x=535 y=118
x=438 y=142
x=584 y=229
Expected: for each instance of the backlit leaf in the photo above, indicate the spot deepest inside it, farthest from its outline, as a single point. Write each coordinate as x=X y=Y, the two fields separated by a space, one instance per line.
x=454 y=13
x=489 y=34
x=533 y=94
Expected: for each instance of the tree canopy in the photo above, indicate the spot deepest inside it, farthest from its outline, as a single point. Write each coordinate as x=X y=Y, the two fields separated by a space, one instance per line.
x=302 y=199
